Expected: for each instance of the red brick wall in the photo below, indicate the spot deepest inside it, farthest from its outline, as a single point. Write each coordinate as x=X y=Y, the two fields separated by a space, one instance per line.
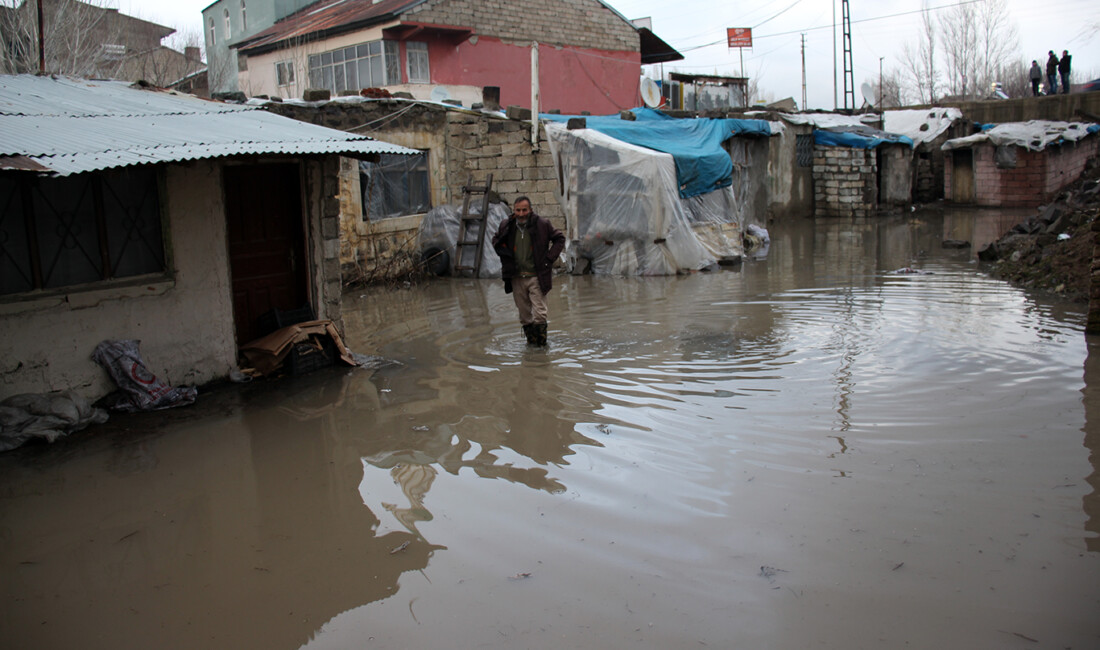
x=1036 y=179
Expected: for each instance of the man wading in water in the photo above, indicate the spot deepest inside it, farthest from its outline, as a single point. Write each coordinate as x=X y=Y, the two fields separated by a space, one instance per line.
x=528 y=245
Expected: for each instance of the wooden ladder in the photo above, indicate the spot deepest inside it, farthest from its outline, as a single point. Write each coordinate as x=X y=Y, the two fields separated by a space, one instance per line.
x=472 y=225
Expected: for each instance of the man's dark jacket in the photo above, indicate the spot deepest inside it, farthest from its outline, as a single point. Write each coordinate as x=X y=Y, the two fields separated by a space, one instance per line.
x=1063 y=64
x=547 y=243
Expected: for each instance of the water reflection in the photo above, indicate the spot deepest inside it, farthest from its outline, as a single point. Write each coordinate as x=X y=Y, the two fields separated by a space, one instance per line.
x=679 y=434
x=1091 y=391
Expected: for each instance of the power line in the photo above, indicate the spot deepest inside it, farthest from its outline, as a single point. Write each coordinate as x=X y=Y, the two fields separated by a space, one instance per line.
x=862 y=20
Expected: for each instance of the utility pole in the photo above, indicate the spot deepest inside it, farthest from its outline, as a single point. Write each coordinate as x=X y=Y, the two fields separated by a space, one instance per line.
x=836 y=103
x=880 y=83
x=803 y=72
x=849 y=76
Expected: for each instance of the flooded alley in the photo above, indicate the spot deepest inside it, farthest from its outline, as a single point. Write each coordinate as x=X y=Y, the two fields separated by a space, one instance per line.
x=810 y=450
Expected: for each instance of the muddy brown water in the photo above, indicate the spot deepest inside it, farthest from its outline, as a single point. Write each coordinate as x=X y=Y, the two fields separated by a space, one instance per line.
x=809 y=451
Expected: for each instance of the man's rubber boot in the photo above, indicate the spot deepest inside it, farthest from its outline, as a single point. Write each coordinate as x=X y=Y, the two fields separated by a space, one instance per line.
x=529 y=332
x=540 y=334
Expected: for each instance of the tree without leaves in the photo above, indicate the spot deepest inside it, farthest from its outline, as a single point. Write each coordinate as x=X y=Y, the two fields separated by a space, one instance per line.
x=919 y=62
x=81 y=39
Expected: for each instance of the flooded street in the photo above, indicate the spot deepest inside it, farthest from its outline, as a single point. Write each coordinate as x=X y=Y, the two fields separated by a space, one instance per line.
x=808 y=451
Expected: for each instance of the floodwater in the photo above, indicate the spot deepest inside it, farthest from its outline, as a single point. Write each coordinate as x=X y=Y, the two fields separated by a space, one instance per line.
x=809 y=451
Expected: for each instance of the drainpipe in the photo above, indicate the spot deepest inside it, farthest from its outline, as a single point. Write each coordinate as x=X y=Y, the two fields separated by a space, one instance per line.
x=534 y=95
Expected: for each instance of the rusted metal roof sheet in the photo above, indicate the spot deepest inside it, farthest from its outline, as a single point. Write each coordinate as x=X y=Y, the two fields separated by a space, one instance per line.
x=71 y=126
x=324 y=19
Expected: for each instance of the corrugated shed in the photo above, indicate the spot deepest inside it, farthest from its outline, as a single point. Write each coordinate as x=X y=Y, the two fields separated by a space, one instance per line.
x=72 y=126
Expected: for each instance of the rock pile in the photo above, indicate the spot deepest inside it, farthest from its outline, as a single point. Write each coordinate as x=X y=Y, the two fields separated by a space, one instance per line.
x=1053 y=249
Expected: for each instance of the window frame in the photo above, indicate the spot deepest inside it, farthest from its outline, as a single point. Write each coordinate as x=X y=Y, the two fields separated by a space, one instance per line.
x=82 y=232
x=396 y=195
x=228 y=28
x=244 y=18
x=420 y=52
x=213 y=31
x=285 y=73
x=344 y=68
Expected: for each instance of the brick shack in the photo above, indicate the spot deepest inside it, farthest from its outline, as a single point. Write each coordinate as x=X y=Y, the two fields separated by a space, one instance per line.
x=1017 y=164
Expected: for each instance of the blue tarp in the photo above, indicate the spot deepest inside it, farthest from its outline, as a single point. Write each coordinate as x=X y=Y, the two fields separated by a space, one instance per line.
x=702 y=164
x=858 y=137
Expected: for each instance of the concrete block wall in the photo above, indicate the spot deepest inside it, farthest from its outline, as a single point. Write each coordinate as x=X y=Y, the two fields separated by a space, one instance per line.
x=581 y=23
x=479 y=146
x=845 y=182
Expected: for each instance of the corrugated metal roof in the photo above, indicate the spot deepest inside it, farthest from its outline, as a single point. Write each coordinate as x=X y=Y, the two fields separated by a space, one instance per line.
x=324 y=18
x=72 y=126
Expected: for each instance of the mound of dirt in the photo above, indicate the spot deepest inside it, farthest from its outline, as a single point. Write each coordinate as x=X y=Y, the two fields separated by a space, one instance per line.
x=1053 y=249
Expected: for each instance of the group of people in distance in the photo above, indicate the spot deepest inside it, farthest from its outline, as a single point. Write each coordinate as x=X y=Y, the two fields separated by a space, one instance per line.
x=1055 y=67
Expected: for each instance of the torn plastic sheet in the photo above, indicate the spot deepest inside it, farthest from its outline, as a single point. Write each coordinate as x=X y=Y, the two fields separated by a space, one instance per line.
x=1035 y=135
x=624 y=214
x=921 y=125
x=439 y=233
x=139 y=389
x=48 y=416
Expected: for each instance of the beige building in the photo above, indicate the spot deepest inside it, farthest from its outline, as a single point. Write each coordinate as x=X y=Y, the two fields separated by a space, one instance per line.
x=158 y=217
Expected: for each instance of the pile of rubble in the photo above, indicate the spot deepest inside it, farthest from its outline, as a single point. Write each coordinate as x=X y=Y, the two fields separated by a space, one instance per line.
x=1053 y=249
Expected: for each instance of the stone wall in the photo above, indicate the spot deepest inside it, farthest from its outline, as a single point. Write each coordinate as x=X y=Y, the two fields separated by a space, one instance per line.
x=582 y=23
x=461 y=145
x=845 y=182
x=1066 y=108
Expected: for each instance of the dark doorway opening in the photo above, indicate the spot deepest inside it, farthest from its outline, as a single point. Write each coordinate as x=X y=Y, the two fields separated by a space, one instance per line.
x=266 y=232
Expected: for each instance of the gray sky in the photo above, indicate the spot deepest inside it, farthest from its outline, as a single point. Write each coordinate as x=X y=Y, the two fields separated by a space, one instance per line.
x=697 y=28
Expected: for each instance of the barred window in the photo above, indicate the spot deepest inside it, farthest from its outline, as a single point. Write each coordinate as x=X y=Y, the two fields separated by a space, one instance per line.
x=369 y=65
x=60 y=232
x=395 y=186
x=804 y=150
x=416 y=54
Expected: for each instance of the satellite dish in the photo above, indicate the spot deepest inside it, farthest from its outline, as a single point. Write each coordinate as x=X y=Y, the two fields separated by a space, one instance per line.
x=651 y=93
x=439 y=93
x=868 y=93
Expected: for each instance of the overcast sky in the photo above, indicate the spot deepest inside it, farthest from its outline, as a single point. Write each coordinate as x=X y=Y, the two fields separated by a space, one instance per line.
x=697 y=28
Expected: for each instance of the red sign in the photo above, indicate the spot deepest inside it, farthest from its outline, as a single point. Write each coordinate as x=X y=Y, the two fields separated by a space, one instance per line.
x=739 y=36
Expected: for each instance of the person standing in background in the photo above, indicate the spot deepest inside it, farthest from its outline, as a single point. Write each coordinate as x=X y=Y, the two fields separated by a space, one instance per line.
x=1052 y=73
x=1036 y=75
x=1063 y=69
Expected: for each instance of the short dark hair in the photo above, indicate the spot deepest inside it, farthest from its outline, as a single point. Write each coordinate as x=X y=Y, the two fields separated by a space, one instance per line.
x=521 y=198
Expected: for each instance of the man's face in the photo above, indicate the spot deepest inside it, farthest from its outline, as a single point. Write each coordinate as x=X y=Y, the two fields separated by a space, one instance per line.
x=522 y=210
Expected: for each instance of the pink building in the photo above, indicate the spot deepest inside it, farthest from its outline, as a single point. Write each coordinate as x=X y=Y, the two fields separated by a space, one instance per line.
x=588 y=56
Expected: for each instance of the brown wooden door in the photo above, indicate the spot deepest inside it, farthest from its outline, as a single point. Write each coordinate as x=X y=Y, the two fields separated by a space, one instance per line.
x=263 y=206
x=962 y=176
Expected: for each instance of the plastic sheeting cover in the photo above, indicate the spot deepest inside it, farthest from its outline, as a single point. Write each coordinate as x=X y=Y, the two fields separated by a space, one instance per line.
x=1035 y=135
x=921 y=125
x=624 y=213
x=830 y=120
x=44 y=415
x=857 y=137
x=439 y=230
x=702 y=164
